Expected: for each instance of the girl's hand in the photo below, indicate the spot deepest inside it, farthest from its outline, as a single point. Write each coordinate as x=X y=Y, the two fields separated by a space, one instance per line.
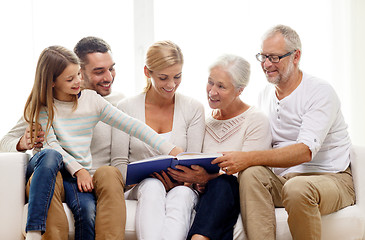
x=84 y=180
x=176 y=150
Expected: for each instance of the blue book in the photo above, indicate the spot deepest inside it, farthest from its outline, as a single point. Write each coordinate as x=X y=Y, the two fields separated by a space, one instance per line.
x=139 y=170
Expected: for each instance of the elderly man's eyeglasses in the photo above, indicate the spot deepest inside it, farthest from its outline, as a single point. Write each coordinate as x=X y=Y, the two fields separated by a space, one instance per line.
x=272 y=58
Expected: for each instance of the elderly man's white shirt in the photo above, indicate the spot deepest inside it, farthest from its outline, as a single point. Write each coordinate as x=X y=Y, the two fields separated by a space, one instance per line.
x=311 y=114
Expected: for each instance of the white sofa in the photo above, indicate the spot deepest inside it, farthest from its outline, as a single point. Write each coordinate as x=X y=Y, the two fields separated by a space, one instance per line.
x=346 y=224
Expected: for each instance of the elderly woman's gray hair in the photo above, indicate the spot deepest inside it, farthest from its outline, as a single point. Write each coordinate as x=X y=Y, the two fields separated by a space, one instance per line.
x=237 y=67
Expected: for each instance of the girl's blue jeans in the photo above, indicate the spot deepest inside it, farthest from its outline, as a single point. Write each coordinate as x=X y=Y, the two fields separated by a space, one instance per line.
x=44 y=166
x=83 y=207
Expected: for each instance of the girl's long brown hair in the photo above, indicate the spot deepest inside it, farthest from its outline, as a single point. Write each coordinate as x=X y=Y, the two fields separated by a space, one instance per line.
x=51 y=63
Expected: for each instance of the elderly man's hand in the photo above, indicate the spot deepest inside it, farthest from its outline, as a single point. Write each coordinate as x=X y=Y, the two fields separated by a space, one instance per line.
x=233 y=162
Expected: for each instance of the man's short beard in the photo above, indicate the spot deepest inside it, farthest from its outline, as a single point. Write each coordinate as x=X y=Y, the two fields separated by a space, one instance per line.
x=283 y=78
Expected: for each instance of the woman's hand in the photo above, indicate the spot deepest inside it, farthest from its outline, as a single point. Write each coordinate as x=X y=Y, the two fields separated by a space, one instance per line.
x=195 y=174
x=199 y=187
x=166 y=181
x=25 y=142
x=84 y=180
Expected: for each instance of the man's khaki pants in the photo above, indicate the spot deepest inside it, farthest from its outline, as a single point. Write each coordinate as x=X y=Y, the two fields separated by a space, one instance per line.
x=305 y=197
x=110 y=209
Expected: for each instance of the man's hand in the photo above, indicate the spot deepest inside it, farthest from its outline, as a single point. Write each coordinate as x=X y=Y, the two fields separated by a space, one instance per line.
x=233 y=162
x=195 y=174
x=25 y=142
x=84 y=180
x=284 y=157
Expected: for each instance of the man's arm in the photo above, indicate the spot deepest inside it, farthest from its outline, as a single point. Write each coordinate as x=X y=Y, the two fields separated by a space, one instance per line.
x=18 y=138
x=281 y=157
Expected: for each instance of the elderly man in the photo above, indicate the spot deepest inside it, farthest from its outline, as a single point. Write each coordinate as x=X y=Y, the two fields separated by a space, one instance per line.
x=308 y=170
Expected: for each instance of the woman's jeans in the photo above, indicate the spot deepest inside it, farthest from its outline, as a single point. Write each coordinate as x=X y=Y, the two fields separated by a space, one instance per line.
x=83 y=207
x=44 y=166
x=218 y=209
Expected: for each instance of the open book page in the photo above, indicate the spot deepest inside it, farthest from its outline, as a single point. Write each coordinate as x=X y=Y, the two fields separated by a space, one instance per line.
x=158 y=157
x=194 y=155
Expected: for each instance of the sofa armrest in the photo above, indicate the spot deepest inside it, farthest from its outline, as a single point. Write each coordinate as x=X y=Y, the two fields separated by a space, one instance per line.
x=358 y=172
x=12 y=185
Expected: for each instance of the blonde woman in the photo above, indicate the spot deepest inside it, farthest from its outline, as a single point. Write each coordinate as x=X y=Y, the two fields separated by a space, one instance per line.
x=164 y=207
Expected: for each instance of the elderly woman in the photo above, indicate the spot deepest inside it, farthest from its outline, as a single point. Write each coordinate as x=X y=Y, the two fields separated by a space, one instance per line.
x=232 y=126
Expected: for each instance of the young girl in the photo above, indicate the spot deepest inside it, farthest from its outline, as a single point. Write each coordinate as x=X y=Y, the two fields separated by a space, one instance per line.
x=68 y=116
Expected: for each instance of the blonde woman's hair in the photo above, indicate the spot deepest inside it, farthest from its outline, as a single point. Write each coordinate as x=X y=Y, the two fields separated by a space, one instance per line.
x=161 y=55
x=51 y=63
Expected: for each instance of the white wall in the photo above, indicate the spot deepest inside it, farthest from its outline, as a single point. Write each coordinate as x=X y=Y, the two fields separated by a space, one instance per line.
x=29 y=26
x=206 y=29
x=332 y=34
x=357 y=80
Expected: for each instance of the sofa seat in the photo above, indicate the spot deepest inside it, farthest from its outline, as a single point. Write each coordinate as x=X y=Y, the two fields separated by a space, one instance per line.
x=346 y=224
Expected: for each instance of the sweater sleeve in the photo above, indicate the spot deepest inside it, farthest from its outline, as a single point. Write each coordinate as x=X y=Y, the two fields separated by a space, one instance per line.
x=196 y=128
x=258 y=134
x=9 y=142
x=134 y=127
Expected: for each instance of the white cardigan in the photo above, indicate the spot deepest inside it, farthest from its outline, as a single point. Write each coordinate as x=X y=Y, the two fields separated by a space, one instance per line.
x=187 y=131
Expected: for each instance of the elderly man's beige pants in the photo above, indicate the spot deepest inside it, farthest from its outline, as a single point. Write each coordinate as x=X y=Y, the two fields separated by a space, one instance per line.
x=305 y=197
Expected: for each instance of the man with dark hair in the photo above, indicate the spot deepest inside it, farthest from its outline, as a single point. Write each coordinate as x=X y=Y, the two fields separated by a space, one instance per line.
x=97 y=65
x=98 y=73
